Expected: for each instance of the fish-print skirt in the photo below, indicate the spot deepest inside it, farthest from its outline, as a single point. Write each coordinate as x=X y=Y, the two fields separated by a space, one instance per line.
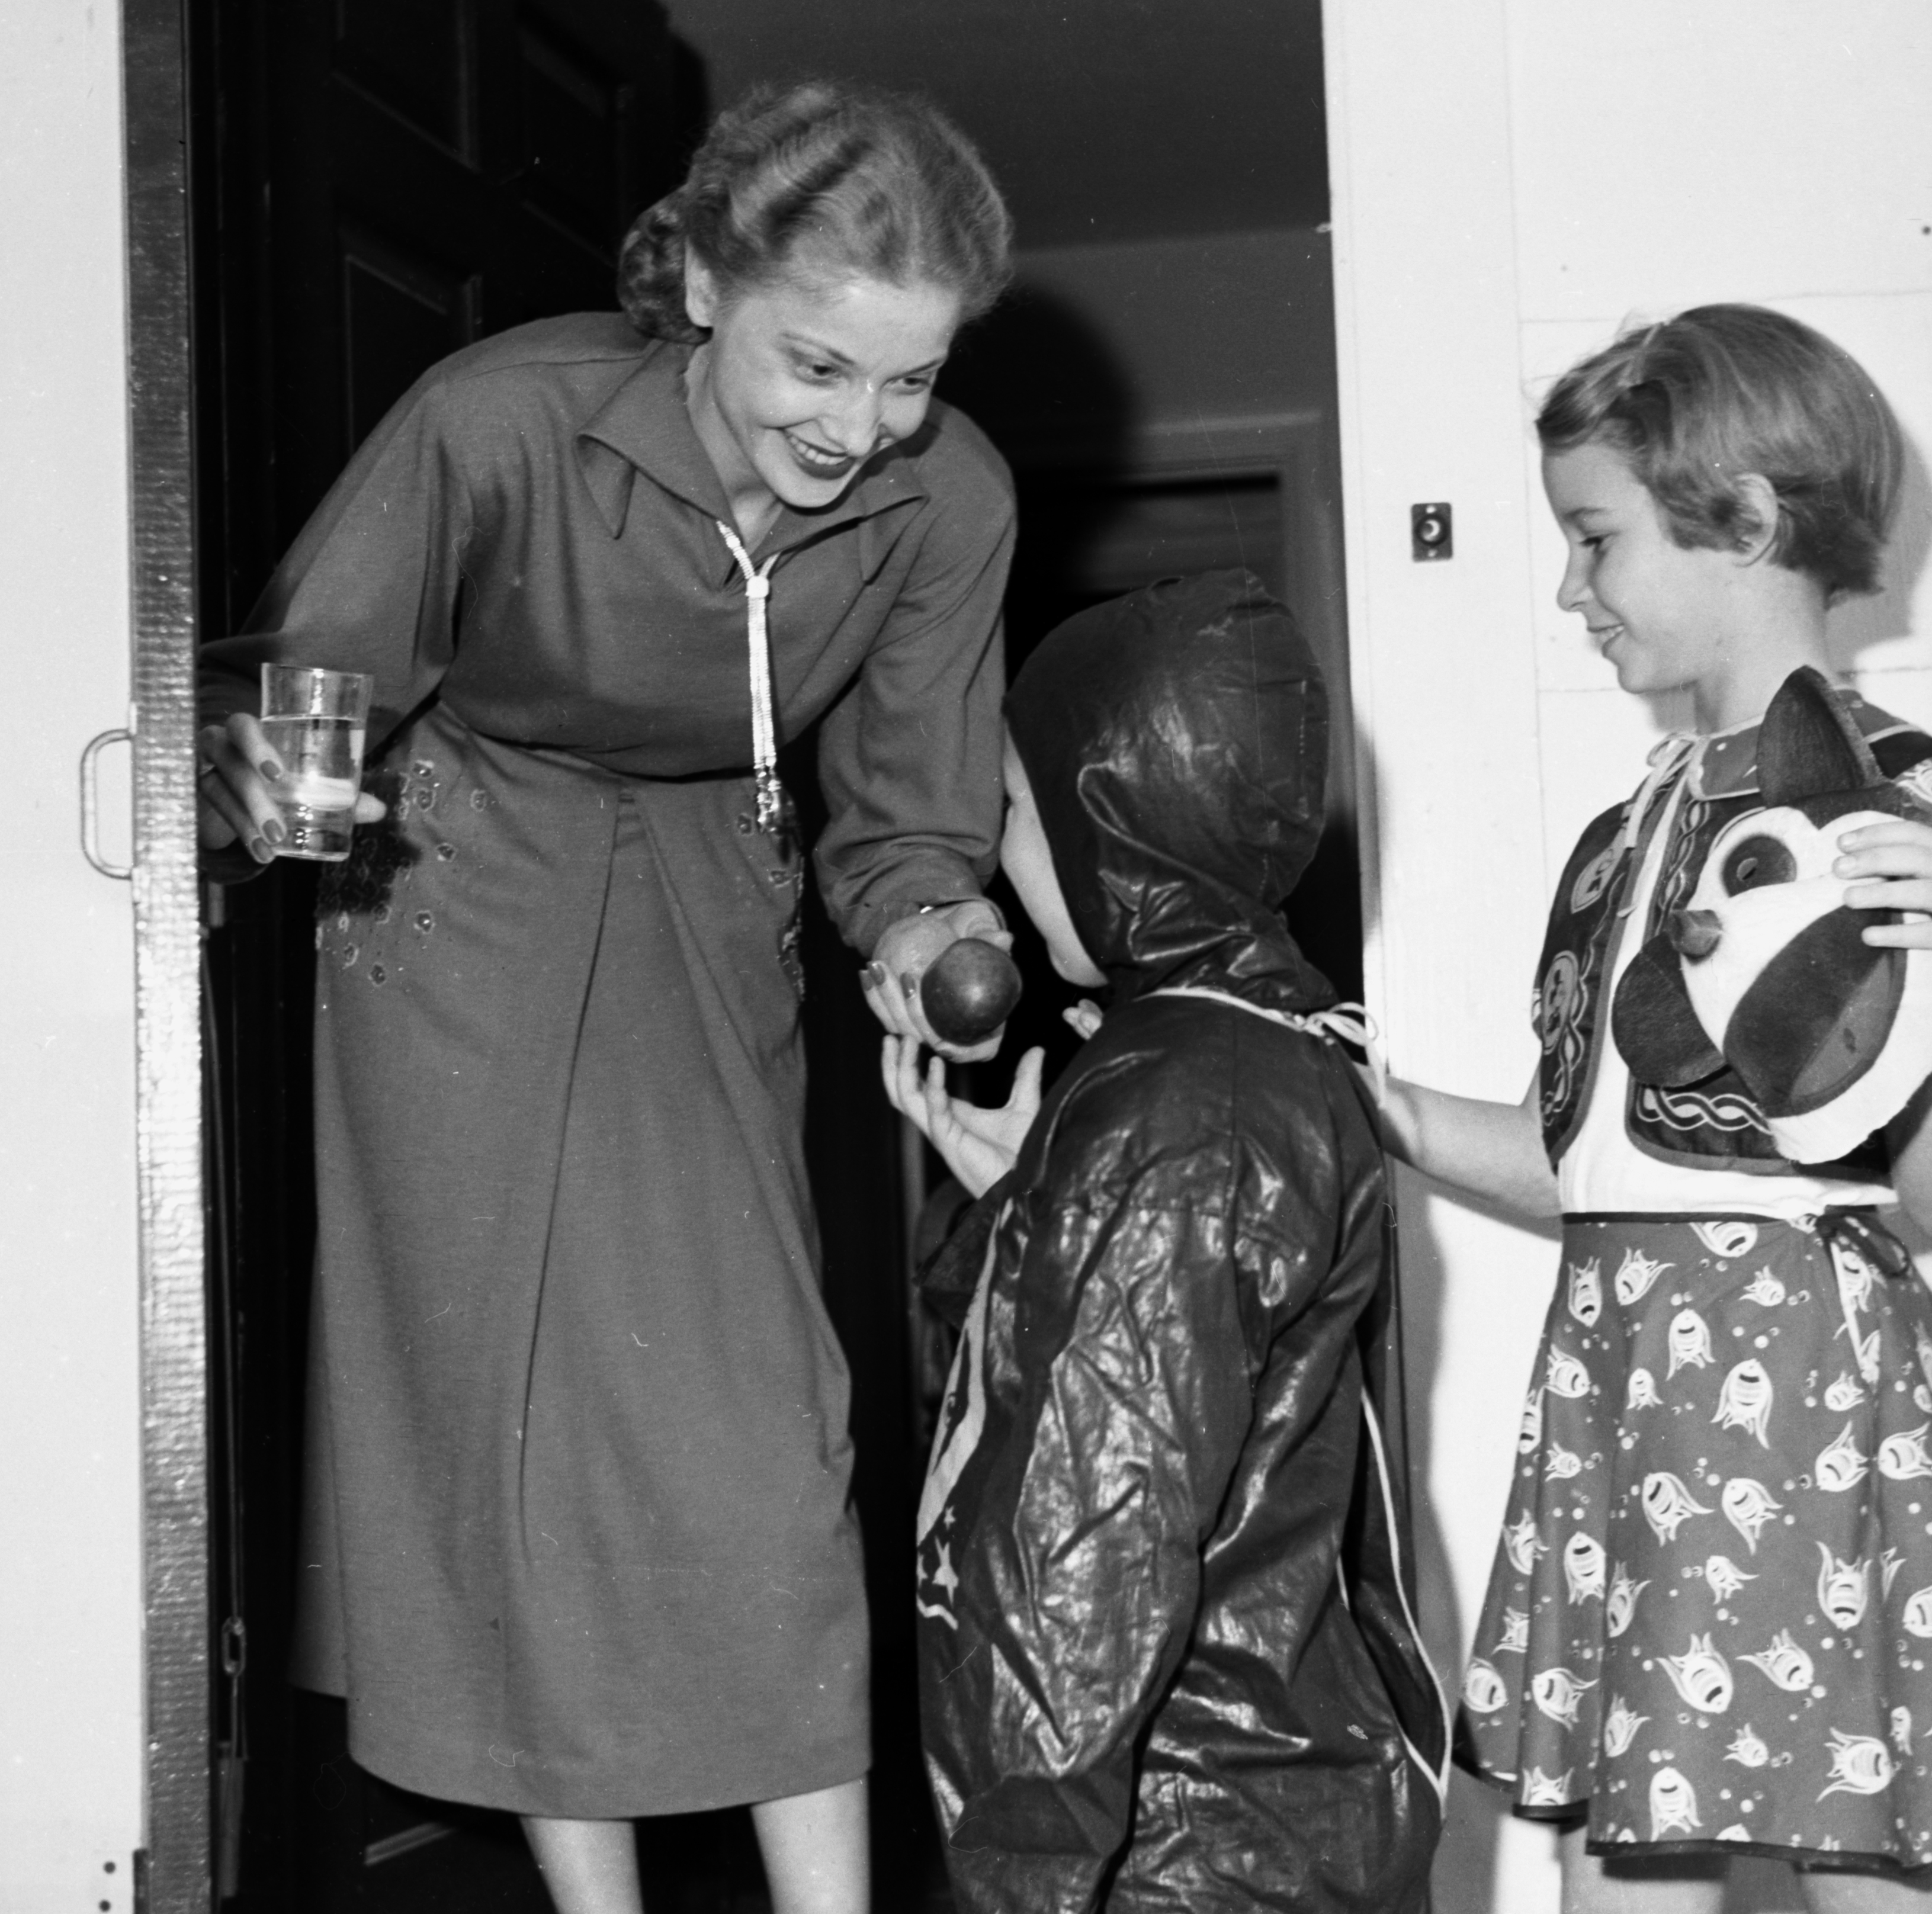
x=1709 y=1624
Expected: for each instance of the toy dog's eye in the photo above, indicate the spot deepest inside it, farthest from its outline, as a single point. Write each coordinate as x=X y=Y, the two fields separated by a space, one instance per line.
x=1757 y=862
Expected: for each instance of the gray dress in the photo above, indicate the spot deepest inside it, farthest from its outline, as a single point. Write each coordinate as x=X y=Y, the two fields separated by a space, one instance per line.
x=578 y=1540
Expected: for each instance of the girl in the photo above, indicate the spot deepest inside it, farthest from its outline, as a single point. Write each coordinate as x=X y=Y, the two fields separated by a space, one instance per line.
x=578 y=1544
x=1700 y=1637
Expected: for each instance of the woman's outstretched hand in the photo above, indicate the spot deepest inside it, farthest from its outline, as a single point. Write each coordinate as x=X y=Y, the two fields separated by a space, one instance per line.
x=1891 y=863
x=979 y=1146
x=902 y=956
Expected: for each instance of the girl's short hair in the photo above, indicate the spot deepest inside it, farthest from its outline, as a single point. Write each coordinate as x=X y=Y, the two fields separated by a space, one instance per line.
x=1695 y=401
x=827 y=178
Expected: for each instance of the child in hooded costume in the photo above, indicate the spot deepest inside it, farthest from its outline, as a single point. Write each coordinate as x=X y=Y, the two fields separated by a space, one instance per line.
x=1167 y=1657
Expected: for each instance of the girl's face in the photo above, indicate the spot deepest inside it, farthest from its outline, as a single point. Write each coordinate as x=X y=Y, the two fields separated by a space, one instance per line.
x=1027 y=860
x=800 y=384
x=1665 y=616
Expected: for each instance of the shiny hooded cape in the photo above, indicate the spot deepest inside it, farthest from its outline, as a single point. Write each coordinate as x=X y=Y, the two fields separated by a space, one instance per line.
x=1167 y=1658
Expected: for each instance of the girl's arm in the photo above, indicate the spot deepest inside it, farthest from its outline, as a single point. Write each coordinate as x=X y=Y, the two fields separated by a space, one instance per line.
x=1490 y=1150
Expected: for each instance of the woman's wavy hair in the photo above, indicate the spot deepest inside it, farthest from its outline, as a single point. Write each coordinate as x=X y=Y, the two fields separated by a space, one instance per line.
x=824 y=178
x=1695 y=402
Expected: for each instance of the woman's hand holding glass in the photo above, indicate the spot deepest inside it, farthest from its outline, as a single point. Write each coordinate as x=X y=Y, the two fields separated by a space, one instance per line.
x=234 y=793
x=902 y=956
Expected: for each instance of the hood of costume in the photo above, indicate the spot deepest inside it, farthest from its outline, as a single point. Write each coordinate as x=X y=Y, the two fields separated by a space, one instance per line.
x=1171 y=1437
x=1176 y=743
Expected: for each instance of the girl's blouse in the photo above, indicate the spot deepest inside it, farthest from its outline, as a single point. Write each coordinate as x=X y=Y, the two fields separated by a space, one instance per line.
x=1603 y=1170
x=532 y=538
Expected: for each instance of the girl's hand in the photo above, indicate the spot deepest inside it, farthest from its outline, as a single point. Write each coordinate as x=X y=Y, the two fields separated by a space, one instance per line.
x=979 y=1146
x=1894 y=863
x=234 y=793
x=900 y=959
x=1084 y=1018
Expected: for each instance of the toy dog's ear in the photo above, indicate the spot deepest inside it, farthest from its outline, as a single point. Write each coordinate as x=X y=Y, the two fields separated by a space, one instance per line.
x=1656 y=1029
x=1807 y=746
x=1816 y=1016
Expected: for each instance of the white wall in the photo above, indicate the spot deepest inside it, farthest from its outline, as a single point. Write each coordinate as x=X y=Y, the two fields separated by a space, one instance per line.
x=1513 y=179
x=70 y=1698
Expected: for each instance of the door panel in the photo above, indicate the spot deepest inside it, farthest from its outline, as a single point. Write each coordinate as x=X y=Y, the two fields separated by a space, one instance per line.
x=578 y=115
x=413 y=56
x=75 y=1585
x=401 y=311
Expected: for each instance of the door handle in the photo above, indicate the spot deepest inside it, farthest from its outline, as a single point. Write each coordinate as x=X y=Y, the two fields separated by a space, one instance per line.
x=90 y=802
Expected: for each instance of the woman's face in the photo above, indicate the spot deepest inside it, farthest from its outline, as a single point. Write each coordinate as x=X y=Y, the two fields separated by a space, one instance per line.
x=800 y=383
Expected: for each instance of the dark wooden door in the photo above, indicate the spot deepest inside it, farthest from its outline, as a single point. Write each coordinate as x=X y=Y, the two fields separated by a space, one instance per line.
x=379 y=182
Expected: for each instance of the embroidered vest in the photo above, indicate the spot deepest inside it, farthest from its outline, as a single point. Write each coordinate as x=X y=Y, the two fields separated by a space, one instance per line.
x=1713 y=1124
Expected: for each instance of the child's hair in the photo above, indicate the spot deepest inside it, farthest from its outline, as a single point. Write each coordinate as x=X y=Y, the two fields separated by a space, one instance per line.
x=1695 y=402
x=826 y=178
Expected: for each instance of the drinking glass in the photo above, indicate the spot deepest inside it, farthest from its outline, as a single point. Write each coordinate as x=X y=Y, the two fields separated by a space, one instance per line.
x=315 y=721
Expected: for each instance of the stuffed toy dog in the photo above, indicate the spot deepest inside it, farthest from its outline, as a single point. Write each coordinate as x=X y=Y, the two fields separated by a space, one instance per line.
x=1766 y=970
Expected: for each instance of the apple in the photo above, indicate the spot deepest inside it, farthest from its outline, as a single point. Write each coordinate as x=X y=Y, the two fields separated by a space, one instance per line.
x=969 y=990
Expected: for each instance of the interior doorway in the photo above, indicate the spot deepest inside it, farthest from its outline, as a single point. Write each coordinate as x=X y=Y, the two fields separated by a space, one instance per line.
x=377 y=182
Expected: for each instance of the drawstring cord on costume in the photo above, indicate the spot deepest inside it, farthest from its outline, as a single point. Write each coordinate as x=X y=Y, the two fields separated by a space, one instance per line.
x=1349 y=1023
x=764 y=725
x=1667 y=758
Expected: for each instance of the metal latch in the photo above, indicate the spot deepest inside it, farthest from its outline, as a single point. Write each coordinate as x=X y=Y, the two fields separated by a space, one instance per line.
x=90 y=802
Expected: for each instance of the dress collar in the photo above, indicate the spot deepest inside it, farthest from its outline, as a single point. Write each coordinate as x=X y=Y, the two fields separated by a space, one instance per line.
x=1727 y=764
x=644 y=426
x=1724 y=763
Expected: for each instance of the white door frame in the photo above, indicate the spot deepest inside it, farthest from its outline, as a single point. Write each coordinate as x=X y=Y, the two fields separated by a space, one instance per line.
x=167 y=932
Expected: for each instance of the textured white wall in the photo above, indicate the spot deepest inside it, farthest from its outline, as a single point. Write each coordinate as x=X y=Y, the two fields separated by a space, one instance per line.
x=1513 y=179
x=70 y=1726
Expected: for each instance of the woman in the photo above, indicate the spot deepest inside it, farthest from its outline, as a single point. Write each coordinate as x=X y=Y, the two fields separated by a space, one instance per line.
x=578 y=1540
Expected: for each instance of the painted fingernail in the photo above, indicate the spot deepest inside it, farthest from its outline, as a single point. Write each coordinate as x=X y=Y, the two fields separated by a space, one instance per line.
x=875 y=975
x=275 y=831
x=262 y=853
x=272 y=770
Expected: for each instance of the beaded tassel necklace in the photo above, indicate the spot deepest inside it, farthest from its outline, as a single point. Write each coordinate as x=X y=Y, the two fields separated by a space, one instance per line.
x=758 y=643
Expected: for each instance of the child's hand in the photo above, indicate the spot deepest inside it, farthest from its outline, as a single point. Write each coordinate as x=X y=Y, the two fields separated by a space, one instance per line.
x=979 y=1146
x=1084 y=1018
x=1894 y=860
